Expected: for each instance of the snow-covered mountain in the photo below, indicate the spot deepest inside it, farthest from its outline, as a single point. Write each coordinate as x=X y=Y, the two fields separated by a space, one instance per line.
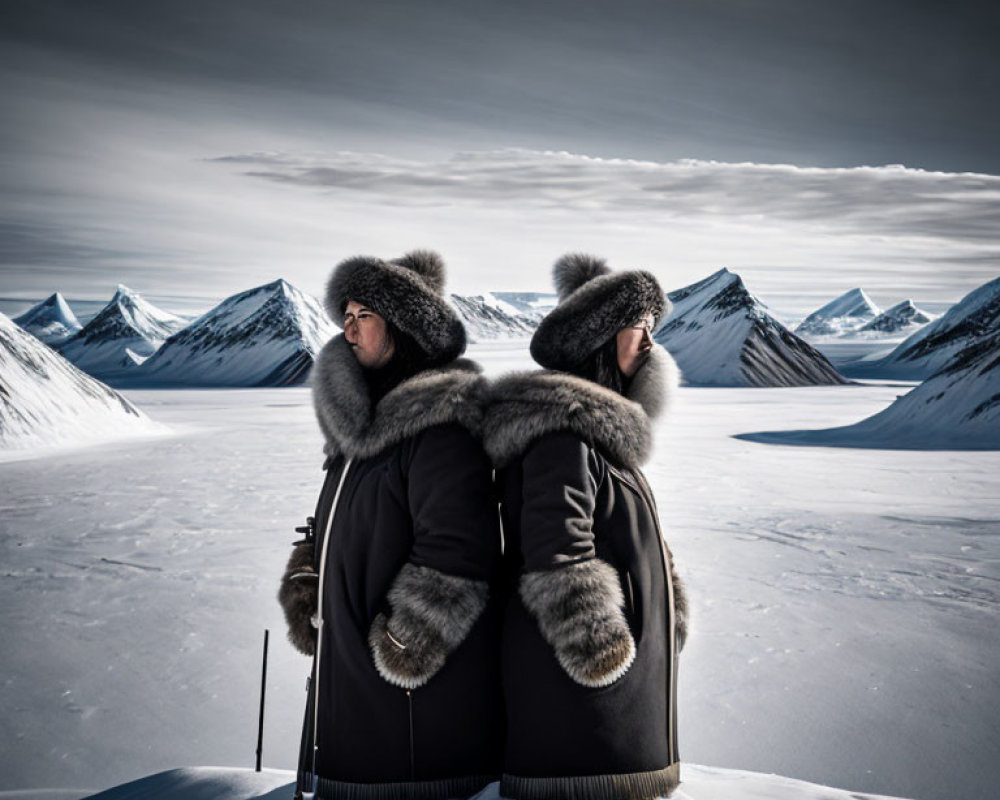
x=487 y=318
x=901 y=318
x=957 y=408
x=533 y=304
x=52 y=320
x=124 y=334
x=267 y=336
x=844 y=314
x=933 y=347
x=721 y=335
x=45 y=400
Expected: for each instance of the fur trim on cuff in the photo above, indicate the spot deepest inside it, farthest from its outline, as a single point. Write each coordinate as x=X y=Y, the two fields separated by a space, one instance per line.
x=579 y=609
x=298 y=598
x=680 y=608
x=431 y=613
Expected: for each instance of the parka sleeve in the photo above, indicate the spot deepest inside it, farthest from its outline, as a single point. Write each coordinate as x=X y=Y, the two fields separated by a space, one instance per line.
x=576 y=597
x=442 y=589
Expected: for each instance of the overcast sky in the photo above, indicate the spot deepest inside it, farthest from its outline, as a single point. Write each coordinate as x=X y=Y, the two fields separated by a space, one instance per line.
x=203 y=148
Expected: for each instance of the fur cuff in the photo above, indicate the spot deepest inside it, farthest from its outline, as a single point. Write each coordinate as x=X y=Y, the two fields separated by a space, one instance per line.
x=431 y=613
x=298 y=598
x=579 y=609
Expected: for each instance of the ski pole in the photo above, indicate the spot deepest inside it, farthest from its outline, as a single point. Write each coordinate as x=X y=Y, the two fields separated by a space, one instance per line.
x=263 y=685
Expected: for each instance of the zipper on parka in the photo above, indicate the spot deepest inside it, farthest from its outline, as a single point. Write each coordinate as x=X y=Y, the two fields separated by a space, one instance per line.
x=631 y=593
x=413 y=759
x=647 y=495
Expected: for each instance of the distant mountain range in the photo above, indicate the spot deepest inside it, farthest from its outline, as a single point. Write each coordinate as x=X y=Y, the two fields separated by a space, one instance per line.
x=721 y=335
x=266 y=336
x=845 y=313
x=936 y=345
x=124 y=334
x=854 y=314
x=485 y=318
x=534 y=305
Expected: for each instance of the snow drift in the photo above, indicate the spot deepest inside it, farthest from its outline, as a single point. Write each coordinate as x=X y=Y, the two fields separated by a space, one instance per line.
x=45 y=400
x=123 y=334
x=266 y=336
x=52 y=320
x=721 y=335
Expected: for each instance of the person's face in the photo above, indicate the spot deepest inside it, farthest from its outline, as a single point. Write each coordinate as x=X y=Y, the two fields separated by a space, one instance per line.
x=368 y=336
x=634 y=344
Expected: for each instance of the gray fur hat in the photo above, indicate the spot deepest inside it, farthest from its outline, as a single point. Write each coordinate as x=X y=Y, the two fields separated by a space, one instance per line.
x=408 y=292
x=594 y=304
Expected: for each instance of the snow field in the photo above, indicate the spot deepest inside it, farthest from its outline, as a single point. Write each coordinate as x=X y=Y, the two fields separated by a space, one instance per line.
x=844 y=627
x=844 y=601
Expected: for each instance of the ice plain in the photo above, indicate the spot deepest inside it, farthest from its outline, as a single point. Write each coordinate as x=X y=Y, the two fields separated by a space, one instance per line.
x=845 y=627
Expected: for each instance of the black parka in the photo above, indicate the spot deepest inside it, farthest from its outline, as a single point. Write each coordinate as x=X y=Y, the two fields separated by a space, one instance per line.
x=595 y=617
x=407 y=678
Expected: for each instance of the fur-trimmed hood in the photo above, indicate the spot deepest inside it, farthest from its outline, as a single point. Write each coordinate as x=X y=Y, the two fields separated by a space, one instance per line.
x=594 y=304
x=407 y=291
x=452 y=393
x=526 y=405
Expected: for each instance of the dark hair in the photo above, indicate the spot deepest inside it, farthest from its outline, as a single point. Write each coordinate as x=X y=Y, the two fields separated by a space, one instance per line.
x=601 y=367
x=408 y=358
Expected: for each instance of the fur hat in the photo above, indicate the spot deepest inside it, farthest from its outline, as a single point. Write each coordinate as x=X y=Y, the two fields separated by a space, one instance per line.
x=594 y=304
x=408 y=292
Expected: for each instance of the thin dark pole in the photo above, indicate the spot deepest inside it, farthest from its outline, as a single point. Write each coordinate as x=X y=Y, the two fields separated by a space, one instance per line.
x=263 y=685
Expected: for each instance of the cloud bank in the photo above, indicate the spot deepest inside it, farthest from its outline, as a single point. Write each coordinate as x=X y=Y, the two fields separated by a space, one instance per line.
x=887 y=200
x=799 y=233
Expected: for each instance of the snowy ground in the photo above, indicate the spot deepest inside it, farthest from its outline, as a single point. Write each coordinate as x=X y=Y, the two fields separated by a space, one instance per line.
x=228 y=783
x=845 y=601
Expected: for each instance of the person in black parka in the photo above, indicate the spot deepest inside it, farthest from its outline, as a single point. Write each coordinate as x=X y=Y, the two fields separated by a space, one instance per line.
x=596 y=616
x=393 y=595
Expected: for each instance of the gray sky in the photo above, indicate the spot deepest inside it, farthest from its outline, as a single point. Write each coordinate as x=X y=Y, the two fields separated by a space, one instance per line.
x=202 y=148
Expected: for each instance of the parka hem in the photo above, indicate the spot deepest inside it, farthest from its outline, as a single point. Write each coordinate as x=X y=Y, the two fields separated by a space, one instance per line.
x=622 y=786
x=442 y=789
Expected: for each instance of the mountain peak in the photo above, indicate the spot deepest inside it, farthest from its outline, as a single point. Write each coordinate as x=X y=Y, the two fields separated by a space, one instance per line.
x=265 y=336
x=52 y=320
x=721 y=335
x=717 y=282
x=843 y=314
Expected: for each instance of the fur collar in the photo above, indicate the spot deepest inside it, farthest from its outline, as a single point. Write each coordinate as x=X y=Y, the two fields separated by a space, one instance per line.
x=526 y=405
x=452 y=393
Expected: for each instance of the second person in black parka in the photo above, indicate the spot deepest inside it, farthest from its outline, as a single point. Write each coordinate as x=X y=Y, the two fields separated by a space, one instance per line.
x=596 y=616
